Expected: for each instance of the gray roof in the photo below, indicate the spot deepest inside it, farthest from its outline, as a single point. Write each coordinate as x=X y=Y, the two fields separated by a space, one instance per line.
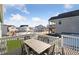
x=65 y=15
x=24 y=25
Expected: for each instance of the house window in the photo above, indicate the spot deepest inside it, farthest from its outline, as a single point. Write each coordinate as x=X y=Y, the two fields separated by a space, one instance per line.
x=60 y=22
x=52 y=23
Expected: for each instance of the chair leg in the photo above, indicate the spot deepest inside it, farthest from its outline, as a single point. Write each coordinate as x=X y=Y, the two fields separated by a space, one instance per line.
x=53 y=52
x=63 y=52
x=21 y=47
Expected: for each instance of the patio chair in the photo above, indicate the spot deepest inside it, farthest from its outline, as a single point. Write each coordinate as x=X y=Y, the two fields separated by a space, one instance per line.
x=63 y=52
x=26 y=37
x=46 y=39
x=51 y=50
x=25 y=50
x=40 y=38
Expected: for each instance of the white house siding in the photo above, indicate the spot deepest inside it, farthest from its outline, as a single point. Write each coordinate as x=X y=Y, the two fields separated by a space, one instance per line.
x=69 y=24
x=4 y=30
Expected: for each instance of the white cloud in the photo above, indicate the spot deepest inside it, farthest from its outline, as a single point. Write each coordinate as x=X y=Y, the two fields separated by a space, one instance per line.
x=16 y=19
x=6 y=6
x=68 y=6
x=4 y=9
x=25 y=11
x=38 y=21
x=21 y=7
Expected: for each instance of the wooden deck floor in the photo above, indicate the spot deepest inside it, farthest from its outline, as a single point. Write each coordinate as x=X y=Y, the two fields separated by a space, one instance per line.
x=69 y=51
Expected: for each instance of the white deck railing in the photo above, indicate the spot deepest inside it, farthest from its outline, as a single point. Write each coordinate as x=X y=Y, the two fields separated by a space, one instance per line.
x=71 y=43
x=3 y=42
x=52 y=40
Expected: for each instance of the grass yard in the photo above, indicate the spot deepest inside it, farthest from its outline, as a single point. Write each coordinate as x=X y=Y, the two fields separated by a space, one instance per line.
x=13 y=44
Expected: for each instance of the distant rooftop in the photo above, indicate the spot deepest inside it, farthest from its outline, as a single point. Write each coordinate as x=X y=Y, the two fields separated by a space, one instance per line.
x=65 y=15
x=24 y=25
x=7 y=25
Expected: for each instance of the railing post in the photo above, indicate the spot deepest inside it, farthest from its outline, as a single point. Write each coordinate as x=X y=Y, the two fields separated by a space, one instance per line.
x=61 y=41
x=62 y=47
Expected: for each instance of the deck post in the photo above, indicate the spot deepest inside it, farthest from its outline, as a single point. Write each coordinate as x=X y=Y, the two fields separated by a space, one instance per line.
x=1 y=17
x=61 y=41
x=62 y=47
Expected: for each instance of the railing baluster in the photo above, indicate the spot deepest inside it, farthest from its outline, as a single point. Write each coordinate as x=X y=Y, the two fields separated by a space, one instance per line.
x=3 y=43
x=71 y=43
x=76 y=44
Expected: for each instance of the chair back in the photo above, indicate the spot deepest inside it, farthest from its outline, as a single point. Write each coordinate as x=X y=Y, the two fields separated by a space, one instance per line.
x=51 y=50
x=26 y=49
x=63 y=52
x=26 y=37
x=46 y=39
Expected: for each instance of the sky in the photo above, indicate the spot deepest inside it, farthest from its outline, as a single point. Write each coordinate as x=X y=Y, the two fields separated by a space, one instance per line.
x=34 y=14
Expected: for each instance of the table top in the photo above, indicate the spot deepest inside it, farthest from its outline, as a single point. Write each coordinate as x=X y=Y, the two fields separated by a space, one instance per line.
x=37 y=45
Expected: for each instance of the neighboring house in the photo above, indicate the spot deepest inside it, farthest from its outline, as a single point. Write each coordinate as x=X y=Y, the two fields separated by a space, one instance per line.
x=23 y=28
x=39 y=28
x=8 y=29
x=66 y=22
x=12 y=30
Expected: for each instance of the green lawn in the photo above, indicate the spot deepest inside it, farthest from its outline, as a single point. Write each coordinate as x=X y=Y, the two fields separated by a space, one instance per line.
x=13 y=44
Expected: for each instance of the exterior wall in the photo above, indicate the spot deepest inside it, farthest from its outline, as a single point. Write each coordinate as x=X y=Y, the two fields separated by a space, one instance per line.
x=23 y=29
x=4 y=30
x=69 y=24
